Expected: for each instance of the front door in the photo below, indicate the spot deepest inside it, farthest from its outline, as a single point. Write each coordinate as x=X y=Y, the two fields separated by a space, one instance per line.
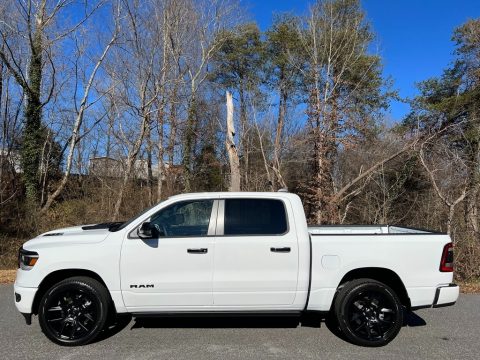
x=256 y=254
x=176 y=269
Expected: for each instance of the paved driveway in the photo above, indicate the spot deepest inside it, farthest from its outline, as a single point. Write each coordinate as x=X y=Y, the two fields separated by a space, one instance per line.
x=446 y=333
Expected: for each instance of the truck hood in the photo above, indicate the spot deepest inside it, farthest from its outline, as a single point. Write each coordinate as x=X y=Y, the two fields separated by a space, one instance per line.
x=84 y=234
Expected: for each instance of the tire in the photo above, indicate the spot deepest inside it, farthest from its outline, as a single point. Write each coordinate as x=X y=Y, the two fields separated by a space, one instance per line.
x=74 y=311
x=368 y=312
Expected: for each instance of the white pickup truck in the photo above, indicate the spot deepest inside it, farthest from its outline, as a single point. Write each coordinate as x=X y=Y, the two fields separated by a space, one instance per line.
x=232 y=253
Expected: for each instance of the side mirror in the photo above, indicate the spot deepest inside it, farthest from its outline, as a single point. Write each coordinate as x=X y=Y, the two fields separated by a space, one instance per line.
x=147 y=231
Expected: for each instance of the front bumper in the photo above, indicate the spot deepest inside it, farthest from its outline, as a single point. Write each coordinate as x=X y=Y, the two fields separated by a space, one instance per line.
x=23 y=297
x=446 y=295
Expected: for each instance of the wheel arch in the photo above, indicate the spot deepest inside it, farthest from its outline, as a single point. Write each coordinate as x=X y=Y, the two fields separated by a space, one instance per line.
x=383 y=275
x=59 y=275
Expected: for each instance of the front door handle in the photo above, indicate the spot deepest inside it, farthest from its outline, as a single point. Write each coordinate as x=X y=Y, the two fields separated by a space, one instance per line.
x=197 y=251
x=280 y=250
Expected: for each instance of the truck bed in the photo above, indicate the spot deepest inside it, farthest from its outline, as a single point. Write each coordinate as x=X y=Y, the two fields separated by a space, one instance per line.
x=412 y=255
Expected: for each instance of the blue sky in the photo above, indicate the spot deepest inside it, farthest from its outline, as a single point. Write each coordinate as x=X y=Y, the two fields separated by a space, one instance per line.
x=413 y=36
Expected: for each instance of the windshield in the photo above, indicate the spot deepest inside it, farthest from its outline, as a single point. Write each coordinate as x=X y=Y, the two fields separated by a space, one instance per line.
x=123 y=225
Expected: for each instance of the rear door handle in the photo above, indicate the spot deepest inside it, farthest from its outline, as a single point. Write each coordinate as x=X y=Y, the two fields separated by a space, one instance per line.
x=280 y=250
x=197 y=251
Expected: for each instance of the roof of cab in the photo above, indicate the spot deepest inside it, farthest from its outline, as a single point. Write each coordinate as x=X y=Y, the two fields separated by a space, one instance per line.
x=225 y=194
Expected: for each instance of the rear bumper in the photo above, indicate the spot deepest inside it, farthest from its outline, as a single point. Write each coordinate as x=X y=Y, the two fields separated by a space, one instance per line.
x=446 y=295
x=443 y=295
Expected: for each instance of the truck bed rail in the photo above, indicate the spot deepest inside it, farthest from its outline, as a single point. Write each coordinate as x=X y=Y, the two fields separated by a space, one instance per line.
x=365 y=230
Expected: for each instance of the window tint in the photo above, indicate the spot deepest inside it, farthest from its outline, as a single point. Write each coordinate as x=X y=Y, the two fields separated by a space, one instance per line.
x=187 y=218
x=254 y=217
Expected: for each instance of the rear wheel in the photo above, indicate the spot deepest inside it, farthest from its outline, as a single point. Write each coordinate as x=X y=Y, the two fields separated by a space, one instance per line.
x=368 y=312
x=74 y=311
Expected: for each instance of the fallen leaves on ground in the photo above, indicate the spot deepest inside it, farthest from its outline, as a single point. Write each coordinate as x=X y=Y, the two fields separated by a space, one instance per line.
x=7 y=276
x=470 y=287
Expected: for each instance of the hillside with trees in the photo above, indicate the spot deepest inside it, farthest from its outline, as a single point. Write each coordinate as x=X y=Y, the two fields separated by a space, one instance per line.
x=110 y=106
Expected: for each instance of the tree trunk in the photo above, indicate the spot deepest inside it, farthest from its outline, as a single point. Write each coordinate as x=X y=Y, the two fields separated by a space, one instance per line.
x=243 y=144
x=3 y=153
x=161 y=151
x=169 y=175
x=31 y=145
x=132 y=156
x=188 y=144
x=231 y=148
x=323 y=121
x=282 y=112
x=148 y=135
x=471 y=200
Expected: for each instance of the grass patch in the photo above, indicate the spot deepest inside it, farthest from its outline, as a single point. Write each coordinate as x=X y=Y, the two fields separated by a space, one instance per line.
x=469 y=287
x=7 y=276
x=9 y=252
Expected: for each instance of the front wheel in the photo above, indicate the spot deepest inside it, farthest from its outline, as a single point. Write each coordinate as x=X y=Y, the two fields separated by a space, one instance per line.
x=368 y=312
x=74 y=311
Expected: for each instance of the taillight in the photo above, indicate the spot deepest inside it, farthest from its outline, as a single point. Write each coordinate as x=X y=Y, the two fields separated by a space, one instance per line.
x=446 y=264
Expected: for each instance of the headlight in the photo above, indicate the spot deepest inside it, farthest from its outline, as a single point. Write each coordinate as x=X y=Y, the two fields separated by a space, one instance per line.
x=27 y=259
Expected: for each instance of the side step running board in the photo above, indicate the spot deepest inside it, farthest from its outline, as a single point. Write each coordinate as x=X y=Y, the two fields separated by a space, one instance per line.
x=217 y=313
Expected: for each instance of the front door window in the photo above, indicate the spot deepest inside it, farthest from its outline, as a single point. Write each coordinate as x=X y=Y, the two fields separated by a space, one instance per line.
x=186 y=218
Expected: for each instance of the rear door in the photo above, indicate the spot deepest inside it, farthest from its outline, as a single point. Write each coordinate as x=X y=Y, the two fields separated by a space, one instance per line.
x=256 y=254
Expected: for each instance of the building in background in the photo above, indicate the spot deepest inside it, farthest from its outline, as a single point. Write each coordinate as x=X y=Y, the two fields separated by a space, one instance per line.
x=10 y=159
x=103 y=166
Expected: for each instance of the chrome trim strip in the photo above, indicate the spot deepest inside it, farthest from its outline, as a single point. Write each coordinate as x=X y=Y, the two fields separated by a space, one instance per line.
x=212 y=225
x=220 y=218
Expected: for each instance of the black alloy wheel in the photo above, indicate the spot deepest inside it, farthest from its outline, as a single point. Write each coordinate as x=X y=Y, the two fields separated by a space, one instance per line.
x=368 y=312
x=74 y=311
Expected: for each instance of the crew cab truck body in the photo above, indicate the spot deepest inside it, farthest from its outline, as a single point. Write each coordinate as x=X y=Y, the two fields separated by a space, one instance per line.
x=232 y=253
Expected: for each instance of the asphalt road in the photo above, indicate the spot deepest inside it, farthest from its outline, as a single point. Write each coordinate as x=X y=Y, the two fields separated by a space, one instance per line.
x=446 y=333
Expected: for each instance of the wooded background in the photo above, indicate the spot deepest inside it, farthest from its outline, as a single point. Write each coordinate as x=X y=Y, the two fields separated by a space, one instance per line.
x=110 y=106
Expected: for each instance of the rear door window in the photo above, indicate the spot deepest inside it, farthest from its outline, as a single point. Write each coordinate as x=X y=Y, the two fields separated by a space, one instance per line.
x=255 y=217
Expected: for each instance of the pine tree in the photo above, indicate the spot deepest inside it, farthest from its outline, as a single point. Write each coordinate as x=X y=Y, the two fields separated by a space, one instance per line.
x=452 y=101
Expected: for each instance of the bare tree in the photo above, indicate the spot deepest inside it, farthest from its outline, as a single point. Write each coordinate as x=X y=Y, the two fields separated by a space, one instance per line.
x=137 y=91
x=37 y=19
x=171 y=33
x=206 y=20
x=442 y=176
x=75 y=134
